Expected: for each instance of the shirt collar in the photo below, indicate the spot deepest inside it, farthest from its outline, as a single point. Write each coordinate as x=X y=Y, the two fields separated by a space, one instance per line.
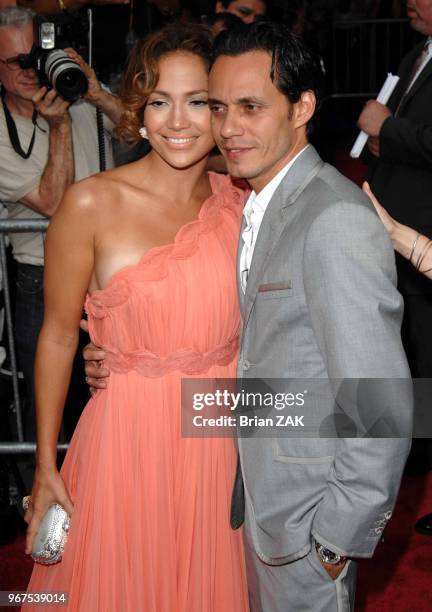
x=261 y=200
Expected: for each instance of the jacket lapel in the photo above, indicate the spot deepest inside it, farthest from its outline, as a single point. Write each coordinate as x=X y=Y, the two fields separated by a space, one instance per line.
x=275 y=219
x=240 y=245
x=398 y=99
x=423 y=76
x=404 y=73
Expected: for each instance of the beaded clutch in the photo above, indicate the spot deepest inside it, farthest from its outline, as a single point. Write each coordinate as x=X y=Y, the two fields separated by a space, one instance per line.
x=50 y=540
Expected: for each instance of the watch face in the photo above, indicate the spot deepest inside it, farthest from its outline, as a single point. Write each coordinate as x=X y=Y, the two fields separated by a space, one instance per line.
x=328 y=556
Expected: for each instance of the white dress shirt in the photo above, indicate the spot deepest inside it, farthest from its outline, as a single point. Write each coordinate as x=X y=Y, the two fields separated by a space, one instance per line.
x=423 y=59
x=253 y=212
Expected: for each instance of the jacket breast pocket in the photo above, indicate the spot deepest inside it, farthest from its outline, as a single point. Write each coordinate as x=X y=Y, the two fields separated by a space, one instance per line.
x=277 y=290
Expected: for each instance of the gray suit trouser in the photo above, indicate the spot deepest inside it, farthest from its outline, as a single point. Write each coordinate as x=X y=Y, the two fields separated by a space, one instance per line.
x=300 y=586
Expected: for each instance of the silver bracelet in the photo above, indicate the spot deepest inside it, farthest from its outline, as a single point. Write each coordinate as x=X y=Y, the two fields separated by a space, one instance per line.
x=423 y=255
x=413 y=247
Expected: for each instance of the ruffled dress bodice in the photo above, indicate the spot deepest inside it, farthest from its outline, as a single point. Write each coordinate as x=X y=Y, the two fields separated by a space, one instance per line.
x=177 y=308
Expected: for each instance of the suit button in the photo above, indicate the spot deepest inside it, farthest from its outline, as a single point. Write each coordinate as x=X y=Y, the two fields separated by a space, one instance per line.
x=246 y=365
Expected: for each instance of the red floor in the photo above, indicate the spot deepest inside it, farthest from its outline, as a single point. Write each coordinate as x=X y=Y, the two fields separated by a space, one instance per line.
x=398 y=579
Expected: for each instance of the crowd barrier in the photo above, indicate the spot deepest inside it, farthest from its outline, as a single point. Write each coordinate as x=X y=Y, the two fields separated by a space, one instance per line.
x=7 y=227
x=363 y=52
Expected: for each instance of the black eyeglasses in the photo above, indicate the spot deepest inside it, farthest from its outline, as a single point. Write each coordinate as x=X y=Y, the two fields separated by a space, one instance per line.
x=22 y=61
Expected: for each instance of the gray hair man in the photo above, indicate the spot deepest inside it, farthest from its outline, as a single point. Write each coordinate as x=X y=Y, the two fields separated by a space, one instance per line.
x=45 y=145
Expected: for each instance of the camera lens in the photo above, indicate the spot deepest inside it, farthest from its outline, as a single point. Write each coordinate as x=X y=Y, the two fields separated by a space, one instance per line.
x=65 y=75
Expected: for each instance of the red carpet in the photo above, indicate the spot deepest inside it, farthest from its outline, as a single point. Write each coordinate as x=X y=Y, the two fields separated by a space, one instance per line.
x=398 y=579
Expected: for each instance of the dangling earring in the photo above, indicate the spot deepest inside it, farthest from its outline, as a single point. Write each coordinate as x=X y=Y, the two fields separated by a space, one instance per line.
x=143 y=133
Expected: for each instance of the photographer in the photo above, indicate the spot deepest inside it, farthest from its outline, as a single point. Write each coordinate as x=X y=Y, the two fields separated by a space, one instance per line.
x=45 y=145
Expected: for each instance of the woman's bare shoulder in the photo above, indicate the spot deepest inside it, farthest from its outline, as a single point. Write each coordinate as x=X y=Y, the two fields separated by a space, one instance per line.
x=105 y=190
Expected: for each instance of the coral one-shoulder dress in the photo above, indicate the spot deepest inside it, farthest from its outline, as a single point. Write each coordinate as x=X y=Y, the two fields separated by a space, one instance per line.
x=150 y=528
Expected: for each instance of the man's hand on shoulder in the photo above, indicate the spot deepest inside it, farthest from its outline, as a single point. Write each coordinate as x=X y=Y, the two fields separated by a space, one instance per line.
x=52 y=107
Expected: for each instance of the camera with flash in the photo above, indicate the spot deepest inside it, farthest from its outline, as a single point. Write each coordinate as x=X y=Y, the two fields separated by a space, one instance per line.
x=54 y=67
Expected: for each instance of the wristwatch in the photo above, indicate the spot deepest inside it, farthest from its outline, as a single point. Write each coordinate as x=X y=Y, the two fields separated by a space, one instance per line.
x=328 y=556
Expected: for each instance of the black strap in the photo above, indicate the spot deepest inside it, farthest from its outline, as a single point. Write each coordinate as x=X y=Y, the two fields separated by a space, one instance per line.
x=101 y=139
x=12 y=130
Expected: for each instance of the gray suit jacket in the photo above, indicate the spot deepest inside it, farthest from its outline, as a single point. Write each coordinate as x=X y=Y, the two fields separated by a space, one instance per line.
x=334 y=314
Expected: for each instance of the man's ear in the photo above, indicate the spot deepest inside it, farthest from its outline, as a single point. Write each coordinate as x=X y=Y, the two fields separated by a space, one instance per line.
x=219 y=8
x=304 y=109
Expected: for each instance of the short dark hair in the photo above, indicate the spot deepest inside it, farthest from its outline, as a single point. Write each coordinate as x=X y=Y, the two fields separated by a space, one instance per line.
x=294 y=68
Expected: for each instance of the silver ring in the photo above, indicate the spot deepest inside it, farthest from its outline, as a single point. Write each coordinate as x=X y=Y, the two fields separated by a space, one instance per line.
x=26 y=502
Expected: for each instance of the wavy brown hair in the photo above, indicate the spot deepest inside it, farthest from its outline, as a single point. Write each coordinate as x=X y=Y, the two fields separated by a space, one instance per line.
x=142 y=71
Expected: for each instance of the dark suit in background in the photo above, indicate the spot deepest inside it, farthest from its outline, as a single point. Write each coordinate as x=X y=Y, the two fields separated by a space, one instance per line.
x=401 y=178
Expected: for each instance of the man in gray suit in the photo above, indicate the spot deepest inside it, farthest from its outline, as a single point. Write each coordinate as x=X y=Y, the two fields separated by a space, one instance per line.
x=317 y=290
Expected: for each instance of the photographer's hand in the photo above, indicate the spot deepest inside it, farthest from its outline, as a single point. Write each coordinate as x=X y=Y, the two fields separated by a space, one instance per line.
x=109 y=104
x=95 y=91
x=52 y=107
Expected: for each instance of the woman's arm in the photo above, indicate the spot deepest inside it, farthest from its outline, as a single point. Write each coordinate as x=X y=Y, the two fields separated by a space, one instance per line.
x=406 y=241
x=69 y=260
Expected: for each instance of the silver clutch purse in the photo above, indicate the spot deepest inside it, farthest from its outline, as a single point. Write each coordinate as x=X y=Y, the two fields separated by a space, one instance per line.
x=50 y=540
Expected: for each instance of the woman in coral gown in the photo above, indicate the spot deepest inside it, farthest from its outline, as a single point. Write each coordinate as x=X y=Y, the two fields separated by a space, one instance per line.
x=150 y=249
